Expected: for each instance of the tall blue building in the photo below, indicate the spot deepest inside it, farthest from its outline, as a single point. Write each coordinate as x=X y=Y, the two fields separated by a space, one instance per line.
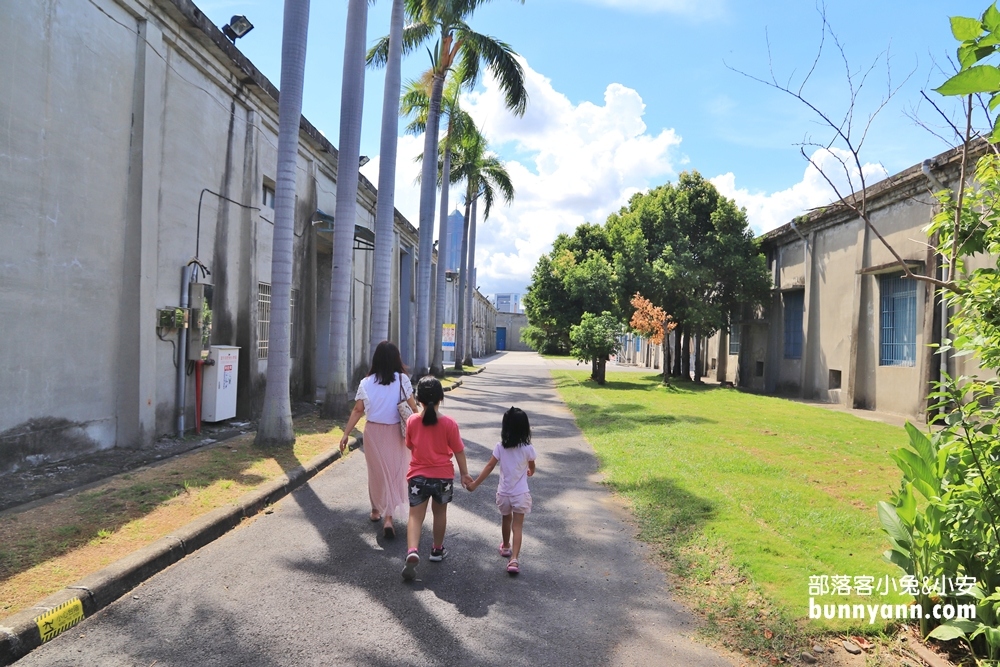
x=456 y=221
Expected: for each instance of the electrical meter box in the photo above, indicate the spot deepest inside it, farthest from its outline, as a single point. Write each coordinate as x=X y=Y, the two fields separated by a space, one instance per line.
x=218 y=393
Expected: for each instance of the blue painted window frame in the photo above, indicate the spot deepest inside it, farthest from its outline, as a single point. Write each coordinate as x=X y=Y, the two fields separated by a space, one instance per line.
x=794 y=304
x=897 y=320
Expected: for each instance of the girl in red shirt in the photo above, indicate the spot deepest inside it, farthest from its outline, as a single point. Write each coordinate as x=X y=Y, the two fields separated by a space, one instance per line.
x=432 y=439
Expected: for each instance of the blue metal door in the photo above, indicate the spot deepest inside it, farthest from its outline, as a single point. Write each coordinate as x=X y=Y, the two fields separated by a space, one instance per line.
x=501 y=338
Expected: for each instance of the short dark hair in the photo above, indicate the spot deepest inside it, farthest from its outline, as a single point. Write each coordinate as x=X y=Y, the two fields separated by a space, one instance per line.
x=386 y=362
x=515 y=429
x=429 y=393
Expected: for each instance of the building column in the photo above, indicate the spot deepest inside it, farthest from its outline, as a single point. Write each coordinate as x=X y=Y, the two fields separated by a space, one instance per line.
x=136 y=424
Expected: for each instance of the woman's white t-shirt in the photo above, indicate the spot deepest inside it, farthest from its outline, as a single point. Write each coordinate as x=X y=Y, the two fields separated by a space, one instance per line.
x=381 y=399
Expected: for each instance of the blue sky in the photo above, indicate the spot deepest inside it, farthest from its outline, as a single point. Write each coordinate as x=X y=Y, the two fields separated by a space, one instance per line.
x=626 y=94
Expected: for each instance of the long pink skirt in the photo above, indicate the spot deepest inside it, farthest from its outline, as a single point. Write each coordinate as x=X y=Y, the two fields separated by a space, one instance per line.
x=388 y=461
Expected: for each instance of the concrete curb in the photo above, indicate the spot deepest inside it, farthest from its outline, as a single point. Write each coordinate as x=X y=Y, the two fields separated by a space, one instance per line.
x=22 y=632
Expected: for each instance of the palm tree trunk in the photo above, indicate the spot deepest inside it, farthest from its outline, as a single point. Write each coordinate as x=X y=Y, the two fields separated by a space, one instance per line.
x=275 y=428
x=470 y=332
x=342 y=275
x=437 y=358
x=462 y=285
x=428 y=189
x=385 y=207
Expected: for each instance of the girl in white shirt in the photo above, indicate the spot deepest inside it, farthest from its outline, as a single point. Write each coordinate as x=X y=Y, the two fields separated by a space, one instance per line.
x=386 y=455
x=516 y=457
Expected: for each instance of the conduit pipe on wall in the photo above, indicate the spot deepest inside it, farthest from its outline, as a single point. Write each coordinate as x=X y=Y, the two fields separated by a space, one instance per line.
x=925 y=168
x=187 y=274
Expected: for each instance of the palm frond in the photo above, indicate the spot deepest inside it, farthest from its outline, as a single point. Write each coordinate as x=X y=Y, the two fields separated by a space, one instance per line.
x=501 y=60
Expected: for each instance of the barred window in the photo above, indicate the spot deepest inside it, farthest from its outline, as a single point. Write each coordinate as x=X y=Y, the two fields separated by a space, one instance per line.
x=898 y=321
x=794 y=303
x=263 y=319
x=734 y=334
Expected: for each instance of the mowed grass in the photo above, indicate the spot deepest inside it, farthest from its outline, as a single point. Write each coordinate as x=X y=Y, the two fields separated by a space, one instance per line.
x=55 y=544
x=739 y=489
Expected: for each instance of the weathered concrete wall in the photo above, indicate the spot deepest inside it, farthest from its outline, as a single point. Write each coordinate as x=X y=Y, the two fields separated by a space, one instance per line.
x=128 y=127
x=63 y=212
x=514 y=322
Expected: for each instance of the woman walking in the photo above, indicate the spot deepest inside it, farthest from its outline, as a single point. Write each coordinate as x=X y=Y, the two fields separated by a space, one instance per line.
x=386 y=455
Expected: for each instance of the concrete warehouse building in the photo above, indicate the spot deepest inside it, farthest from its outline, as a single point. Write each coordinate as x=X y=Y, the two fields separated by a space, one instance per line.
x=843 y=324
x=138 y=140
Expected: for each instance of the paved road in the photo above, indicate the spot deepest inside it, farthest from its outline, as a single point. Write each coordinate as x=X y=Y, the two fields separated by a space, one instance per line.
x=313 y=583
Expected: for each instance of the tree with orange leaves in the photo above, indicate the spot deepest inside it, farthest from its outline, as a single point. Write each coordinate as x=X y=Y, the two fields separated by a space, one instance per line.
x=649 y=320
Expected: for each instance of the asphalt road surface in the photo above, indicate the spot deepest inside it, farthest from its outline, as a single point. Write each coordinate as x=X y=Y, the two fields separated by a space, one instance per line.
x=314 y=583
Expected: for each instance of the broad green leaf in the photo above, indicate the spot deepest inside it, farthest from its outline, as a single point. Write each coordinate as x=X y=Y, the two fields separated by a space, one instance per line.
x=907 y=508
x=892 y=525
x=971 y=53
x=978 y=79
x=925 y=489
x=899 y=559
x=991 y=18
x=921 y=444
x=946 y=632
x=994 y=101
x=965 y=29
x=921 y=470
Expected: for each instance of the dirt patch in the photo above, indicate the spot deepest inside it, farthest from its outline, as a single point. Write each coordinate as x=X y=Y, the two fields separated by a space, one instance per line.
x=47 y=545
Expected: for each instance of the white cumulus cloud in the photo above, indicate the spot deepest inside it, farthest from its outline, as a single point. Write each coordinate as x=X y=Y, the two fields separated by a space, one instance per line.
x=569 y=164
x=768 y=211
x=573 y=163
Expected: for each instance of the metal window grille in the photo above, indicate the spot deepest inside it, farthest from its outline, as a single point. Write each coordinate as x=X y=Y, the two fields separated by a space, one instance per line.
x=794 y=302
x=263 y=319
x=898 y=322
x=734 y=335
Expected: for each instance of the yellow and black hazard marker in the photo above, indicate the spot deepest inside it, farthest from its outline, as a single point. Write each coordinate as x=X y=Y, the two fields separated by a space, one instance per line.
x=56 y=621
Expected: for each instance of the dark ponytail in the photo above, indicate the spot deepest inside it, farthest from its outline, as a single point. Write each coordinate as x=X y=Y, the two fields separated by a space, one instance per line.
x=429 y=393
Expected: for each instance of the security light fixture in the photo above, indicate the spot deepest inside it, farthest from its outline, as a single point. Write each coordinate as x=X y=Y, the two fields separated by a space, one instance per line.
x=237 y=27
x=363 y=160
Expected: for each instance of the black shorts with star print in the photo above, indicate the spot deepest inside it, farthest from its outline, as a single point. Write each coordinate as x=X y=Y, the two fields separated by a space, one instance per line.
x=422 y=488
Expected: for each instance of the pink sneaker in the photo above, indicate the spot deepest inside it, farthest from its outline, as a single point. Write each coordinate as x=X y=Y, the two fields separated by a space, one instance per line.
x=505 y=551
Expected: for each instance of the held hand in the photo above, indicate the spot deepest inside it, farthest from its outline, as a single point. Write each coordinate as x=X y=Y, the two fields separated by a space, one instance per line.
x=468 y=482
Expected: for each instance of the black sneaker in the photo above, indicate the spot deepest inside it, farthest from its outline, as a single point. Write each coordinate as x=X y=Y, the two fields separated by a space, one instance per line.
x=410 y=568
x=438 y=555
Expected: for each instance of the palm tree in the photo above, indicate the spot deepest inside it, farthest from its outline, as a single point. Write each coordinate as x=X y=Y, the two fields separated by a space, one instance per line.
x=275 y=428
x=485 y=176
x=456 y=42
x=341 y=277
x=385 y=207
x=416 y=102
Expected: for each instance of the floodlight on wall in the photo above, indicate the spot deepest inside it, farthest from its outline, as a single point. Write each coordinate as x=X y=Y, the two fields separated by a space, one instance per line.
x=363 y=160
x=237 y=27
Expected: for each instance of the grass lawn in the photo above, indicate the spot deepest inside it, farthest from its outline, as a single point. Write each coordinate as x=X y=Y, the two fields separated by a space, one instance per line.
x=746 y=496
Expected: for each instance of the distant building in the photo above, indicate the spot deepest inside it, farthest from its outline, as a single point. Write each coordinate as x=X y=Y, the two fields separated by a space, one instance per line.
x=453 y=258
x=508 y=303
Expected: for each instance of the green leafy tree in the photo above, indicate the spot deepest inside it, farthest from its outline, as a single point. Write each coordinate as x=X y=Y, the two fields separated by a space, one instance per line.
x=576 y=277
x=595 y=339
x=692 y=252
